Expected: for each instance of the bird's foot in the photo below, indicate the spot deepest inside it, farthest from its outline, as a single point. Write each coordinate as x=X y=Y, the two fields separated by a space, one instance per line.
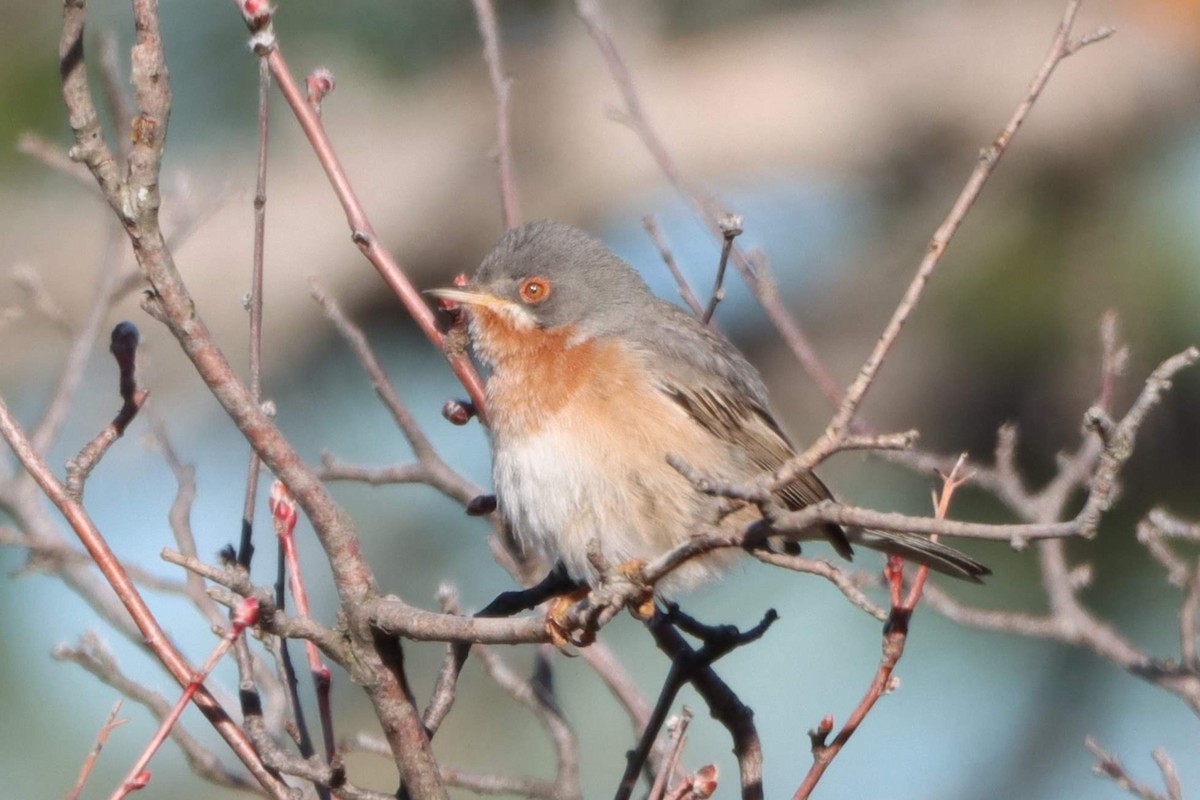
x=641 y=605
x=559 y=626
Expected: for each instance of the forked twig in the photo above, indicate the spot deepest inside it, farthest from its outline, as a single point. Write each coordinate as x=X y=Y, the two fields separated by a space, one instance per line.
x=110 y=724
x=895 y=636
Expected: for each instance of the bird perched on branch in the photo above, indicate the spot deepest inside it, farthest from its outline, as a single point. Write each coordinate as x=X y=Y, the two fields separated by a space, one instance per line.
x=595 y=382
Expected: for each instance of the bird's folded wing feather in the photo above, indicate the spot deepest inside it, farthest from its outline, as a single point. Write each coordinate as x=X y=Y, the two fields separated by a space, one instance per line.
x=723 y=393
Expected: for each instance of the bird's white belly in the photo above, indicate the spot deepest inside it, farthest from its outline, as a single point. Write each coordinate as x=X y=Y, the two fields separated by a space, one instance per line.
x=566 y=490
x=558 y=499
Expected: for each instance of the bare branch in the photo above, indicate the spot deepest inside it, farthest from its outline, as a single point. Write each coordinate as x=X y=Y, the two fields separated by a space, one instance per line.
x=510 y=203
x=156 y=638
x=1110 y=766
x=724 y=705
x=1062 y=46
x=705 y=209
x=895 y=637
x=110 y=724
x=139 y=776
x=731 y=228
x=685 y=290
x=362 y=232
x=124 y=349
x=849 y=584
x=93 y=656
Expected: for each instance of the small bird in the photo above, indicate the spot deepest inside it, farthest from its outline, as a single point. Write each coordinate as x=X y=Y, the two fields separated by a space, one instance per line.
x=594 y=383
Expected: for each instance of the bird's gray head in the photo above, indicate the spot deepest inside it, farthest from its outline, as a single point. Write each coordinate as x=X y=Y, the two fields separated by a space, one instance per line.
x=552 y=275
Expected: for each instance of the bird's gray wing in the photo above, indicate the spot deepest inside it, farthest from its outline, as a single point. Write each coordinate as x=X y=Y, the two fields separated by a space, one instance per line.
x=713 y=382
x=699 y=369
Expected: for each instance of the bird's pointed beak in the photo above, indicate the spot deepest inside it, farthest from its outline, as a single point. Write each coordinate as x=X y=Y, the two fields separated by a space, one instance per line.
x=466 y=297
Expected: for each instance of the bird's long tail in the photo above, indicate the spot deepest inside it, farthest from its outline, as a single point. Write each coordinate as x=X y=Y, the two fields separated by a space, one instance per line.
x=922 y=550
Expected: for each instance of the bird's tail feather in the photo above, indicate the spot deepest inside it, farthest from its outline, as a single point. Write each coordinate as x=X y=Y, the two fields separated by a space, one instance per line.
x=922 y=550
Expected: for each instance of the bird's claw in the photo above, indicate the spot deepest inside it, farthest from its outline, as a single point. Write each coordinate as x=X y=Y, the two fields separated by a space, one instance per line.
x=642 y=605
x=560 y=628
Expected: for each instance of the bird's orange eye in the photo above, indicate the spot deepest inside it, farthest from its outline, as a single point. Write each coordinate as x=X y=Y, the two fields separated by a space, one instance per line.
x=534 y=290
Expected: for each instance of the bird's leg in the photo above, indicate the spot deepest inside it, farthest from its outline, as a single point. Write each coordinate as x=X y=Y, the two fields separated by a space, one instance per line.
x=561 y=590
x=557 y=582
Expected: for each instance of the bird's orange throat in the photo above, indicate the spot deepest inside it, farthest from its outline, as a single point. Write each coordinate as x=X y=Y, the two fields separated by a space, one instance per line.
x=536 y=371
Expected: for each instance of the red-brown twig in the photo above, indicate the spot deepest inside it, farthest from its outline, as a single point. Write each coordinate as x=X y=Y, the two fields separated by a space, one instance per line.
x=155 y=637
x=895 y=636
x=245 y=616
x=254 y=304
x=89 y=763
x=124 y=348
x=699 y=786
x=258 y=16
x=510 y=203
x=283 y=514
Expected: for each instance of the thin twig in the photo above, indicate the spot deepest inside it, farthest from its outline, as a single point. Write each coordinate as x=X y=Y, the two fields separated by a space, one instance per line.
x=725 y=707
x=685 y=289
x=731 y=228
x=138 y=776
x=283 y=514
x=110 y=724
x=361 y=231
x=94 y=657
x=634 y=114
x=254 y=305
x=677 y=730
x=510 y=202
x=155 y=637
x=124 y=349
x=1061 y=47
x=1111 y=767
x=895 y=637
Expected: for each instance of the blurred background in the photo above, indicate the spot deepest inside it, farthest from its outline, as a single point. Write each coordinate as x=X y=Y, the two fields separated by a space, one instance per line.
x=843 y=132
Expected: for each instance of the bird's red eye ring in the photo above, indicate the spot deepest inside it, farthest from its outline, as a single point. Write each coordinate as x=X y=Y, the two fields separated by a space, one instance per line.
x=534 y=290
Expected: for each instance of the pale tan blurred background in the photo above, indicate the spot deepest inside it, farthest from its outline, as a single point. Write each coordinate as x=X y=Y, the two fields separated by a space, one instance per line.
x=842 y=131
